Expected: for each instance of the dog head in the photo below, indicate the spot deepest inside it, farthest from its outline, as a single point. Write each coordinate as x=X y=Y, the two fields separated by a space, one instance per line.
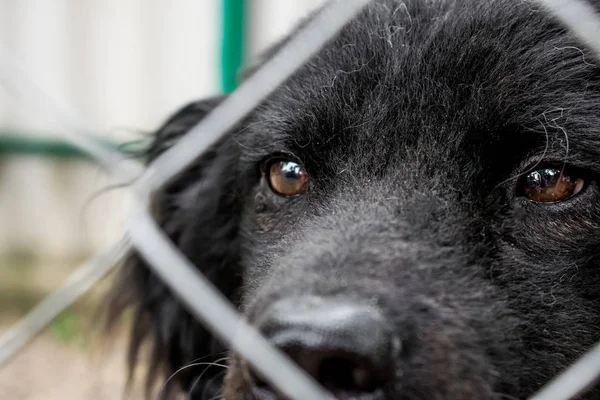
x=414 y=215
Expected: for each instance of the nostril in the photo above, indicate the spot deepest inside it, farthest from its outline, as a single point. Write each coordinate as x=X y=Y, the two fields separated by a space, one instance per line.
x=338 y=374
x=347 y=348
x=342 y=374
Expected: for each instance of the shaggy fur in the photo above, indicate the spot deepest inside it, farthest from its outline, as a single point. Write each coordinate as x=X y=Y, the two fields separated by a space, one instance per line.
x=415 y=125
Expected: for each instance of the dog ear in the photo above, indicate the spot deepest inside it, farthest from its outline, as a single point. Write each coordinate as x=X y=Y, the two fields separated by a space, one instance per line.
x=200 y=214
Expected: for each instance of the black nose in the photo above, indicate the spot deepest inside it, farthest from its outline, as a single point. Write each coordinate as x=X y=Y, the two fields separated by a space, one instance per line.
x=347 y=347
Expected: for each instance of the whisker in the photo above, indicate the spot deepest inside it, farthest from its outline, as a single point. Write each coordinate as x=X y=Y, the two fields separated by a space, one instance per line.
x=199 y=377
x=210 y=355
x=197 y=381
x=217 y=396
x=193 y=364
x=208 y=384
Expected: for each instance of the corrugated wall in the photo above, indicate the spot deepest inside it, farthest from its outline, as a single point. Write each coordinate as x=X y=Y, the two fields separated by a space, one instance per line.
x=123 y=65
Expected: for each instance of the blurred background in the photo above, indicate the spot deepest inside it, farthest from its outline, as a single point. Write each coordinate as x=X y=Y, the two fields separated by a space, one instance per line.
x=123 y=66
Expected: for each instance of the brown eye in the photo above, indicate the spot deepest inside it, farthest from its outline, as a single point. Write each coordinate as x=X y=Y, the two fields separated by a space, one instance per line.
x=551 y=185
x=287 y=178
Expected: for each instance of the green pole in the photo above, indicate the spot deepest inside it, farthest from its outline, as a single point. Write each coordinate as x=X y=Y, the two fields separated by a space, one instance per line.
x=232 y=45
x=232 y=59
x=21 y=144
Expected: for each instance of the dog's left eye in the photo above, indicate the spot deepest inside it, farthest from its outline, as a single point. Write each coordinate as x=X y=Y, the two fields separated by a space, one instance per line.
x=551 y=184
x=287 y=178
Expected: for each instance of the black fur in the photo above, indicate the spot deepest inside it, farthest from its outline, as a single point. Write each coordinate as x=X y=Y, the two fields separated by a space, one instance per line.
x=414 y=126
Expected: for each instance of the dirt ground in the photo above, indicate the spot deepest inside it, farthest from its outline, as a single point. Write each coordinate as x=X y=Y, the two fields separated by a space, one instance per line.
x=68 y=361
x=49 y=370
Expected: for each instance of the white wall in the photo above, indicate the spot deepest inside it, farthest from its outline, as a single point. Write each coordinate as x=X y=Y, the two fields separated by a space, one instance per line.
x=123 y=65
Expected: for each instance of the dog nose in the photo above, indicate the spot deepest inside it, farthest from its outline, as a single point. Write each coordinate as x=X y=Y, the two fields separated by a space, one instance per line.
x=347 y=347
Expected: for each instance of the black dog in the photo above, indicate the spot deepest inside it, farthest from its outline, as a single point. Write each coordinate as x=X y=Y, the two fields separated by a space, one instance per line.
x=414 y=215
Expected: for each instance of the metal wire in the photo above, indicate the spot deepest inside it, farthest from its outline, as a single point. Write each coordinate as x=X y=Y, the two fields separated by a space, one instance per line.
x=75 y=286
x=210 y=306
x=252 y=92
x=580 y=18
x=575 y=380
x=17 y=83
x=193 y=289
x=161 y=254
x=204 y=301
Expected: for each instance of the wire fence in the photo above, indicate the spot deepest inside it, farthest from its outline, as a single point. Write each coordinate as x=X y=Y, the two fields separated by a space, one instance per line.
x=202 y=299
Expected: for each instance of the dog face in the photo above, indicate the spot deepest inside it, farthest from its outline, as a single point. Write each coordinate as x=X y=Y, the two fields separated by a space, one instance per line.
x=414 y=215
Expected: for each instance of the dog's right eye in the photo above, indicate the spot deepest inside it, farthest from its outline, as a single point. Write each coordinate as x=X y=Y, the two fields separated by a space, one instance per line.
x=287 y=178
x=548 y=185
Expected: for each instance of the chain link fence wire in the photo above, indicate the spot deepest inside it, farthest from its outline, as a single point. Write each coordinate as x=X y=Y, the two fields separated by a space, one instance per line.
x=75 y=286
x=195 y=291
x=203 y=300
